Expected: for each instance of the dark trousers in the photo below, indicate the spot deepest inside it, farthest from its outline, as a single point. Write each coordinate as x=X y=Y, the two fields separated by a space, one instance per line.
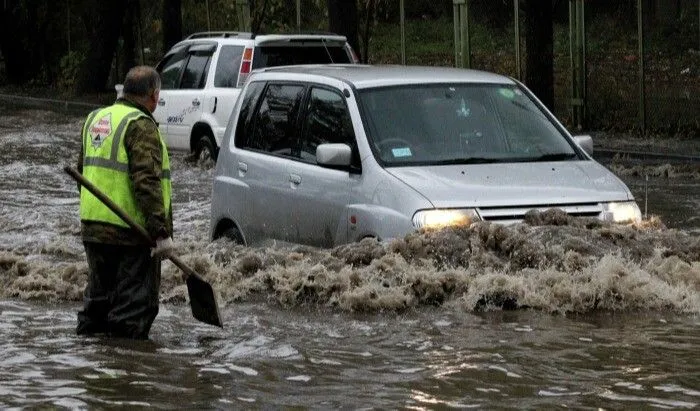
x=121 y=297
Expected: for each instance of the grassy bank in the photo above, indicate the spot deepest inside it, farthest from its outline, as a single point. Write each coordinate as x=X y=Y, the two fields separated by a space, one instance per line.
x=672 y=78
x=672 y=81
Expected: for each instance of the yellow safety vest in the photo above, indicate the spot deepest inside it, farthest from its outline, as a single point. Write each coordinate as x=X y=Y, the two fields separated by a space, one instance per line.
x=106 y=165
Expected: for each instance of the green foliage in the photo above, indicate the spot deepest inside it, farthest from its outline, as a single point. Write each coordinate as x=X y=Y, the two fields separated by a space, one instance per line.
x=68 y=70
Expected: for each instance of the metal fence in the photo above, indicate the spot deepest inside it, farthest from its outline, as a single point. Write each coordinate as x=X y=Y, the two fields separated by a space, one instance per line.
x=617 y=71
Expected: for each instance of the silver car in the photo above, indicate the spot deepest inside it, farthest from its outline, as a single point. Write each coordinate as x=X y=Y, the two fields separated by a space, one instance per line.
x=326 y=155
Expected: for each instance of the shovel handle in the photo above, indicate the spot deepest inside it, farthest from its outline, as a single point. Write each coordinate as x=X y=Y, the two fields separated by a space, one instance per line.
x=124 y=216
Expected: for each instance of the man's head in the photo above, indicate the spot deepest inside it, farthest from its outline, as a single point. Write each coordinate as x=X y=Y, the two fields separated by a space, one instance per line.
x=142 y=85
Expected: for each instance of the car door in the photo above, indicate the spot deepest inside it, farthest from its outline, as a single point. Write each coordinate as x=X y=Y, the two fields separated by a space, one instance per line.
x=223 y=96
x=319 y=196
x=185 y=103
x=264 y=158
x=170 y=69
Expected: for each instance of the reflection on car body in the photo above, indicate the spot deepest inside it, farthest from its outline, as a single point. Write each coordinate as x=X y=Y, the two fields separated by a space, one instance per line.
x=381 y=151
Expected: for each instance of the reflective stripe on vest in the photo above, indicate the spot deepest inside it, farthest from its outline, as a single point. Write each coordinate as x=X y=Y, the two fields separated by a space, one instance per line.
x=106 y=165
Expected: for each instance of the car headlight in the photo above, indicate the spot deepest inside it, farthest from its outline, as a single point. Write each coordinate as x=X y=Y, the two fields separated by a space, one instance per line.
x=622 y=212
x=444 y=218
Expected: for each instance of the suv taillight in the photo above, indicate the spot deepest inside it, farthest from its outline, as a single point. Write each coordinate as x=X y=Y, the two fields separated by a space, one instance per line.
x=246 y=66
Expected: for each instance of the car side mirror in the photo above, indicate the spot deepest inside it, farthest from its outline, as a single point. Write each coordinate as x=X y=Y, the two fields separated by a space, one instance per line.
x=334 y=155
x=585 y=142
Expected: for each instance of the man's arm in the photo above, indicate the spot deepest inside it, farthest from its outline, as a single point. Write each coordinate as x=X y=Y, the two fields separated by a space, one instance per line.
x=79 y=165
x=145 y=166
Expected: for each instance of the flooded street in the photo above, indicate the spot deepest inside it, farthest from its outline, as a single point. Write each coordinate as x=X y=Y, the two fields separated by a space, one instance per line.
x=554 y=312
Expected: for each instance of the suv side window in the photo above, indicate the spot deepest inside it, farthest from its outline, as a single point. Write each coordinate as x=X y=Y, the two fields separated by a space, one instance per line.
x=327 y=121
x=170 y=69
x=244 y=127
x=276 y=118
x=195 y=74
x=228 y=66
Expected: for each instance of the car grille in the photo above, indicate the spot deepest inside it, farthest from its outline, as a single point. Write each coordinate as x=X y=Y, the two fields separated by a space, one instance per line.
x=507 y=215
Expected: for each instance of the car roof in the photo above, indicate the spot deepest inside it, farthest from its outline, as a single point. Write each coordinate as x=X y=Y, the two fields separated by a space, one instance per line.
x=368 y=76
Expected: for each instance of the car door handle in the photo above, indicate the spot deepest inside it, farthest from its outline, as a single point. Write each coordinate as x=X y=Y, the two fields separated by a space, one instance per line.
x=242 y=168
x=161 y=102
x=196 y=102
x=295 y=179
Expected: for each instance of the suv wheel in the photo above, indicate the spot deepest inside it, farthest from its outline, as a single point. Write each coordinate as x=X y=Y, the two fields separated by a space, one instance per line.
x=204 y=148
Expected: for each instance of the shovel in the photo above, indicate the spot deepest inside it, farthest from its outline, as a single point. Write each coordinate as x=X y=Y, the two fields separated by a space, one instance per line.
x=202 y=297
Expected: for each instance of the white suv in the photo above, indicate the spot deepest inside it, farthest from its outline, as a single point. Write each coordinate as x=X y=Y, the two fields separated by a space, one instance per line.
x=202 y=77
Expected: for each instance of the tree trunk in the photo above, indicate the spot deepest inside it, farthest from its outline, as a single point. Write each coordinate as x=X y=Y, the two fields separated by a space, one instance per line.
x=107 y=24
x=20 y=55
x=342 y=19
x=172 y=23
x=539 y=47
x=129 y=45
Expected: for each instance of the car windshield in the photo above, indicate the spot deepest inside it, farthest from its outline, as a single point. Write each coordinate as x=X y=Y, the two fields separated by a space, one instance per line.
x=433 y=124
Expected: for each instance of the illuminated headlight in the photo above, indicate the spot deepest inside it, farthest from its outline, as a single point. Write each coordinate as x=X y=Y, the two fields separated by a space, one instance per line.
x=444 y=218
x=624 y=212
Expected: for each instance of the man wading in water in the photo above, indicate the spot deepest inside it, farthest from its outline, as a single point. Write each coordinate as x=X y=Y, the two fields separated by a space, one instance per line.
x=124 y=155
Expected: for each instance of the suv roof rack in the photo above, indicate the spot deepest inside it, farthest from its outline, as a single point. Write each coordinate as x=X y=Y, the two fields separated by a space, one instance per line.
x=205 y=34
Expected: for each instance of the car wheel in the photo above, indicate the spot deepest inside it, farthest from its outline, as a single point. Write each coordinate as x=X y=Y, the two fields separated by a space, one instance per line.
x=233 y=234
x=205 y=149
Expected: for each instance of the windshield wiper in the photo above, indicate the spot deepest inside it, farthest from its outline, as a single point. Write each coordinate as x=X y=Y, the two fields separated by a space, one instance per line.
x=556 y=157
x=469 y=160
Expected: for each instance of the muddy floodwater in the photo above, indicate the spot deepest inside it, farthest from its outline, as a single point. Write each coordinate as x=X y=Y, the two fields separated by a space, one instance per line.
x=551 y=313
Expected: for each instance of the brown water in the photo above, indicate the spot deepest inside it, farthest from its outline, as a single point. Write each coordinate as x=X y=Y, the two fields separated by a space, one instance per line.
x=552 y=313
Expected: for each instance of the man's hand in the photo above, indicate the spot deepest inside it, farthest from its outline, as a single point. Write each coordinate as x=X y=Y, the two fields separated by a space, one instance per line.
x=164 y=248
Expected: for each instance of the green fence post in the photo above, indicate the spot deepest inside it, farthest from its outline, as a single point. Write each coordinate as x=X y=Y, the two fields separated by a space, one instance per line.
x=466 y=38
x=299 y=16
x=68 y=23
x=577 y=61
x=516 y=17
x=640 y=35
x=462 y=40
x=243 y=13
x=403 y=32
x=455 y=23
x=206 y=4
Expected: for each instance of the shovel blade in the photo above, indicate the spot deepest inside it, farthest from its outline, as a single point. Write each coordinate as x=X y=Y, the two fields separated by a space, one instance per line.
x=203 y=301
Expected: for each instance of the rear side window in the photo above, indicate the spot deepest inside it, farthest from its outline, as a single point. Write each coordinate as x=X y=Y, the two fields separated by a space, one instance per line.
x=195 y=74
x=275 y=119
x=228 y=66
x=170 y=69
x=244 y=127
x=327 y=121
x=272 y=56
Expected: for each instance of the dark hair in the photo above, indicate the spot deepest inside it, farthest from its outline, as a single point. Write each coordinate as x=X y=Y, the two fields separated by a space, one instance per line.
x=141 y=81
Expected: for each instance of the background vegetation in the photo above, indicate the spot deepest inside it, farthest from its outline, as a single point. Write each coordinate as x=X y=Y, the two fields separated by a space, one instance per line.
x=81 y=48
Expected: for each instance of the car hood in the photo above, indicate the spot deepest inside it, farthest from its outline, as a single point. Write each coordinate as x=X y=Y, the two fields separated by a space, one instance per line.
x=513 y=184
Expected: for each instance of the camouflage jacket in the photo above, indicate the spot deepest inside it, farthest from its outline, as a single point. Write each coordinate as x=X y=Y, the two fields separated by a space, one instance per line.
x=145 y=158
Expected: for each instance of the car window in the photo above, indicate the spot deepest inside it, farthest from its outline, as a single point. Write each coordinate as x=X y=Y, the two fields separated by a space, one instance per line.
x=458 y=123
x=327 y=121
x=228 y=66
x=275 y=119
x=245 y=117
x=272 y=56
x=195 y=73
x=527 y=129
x=170 y=69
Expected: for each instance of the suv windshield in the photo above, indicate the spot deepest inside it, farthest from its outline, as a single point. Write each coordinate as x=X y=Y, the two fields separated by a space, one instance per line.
x=433 y=124
x=272 y=56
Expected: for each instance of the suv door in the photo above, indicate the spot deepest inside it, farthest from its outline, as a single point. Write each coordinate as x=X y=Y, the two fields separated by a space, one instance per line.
x=223 y=96
x=319 y=196
x=185 y=103
x=263 y=160
x=170 y=70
